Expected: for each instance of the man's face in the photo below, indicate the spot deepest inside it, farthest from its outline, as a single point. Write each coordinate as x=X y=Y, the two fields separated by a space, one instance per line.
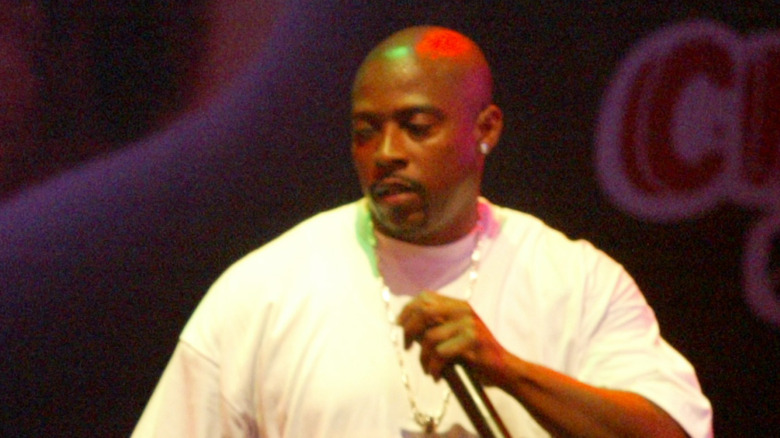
x=414 y=144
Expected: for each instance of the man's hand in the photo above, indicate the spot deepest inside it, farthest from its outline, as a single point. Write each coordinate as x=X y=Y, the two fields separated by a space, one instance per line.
x=448 y=329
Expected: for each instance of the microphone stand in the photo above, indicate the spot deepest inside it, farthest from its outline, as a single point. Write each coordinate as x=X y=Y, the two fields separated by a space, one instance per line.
x=475 y=402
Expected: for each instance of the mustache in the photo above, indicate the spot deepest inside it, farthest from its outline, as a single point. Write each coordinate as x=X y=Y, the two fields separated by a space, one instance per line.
x=395 y=183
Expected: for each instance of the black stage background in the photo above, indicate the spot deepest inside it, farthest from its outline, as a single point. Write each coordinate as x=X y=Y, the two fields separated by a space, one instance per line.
x=150 y=156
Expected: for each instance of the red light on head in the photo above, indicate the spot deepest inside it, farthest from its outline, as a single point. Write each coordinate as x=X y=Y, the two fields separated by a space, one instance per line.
x=442 y=43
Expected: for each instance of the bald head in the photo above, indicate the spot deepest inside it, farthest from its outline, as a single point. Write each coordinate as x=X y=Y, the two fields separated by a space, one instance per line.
x=448 y=57
x=422 y=124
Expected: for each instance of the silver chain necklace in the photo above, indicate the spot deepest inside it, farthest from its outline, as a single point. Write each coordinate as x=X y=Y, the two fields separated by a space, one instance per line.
x=428 y=422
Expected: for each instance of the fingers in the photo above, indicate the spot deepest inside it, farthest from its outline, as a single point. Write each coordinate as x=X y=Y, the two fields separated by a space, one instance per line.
x=444 y=327
x=417 y=316
x=443 y=344
x=426 y=311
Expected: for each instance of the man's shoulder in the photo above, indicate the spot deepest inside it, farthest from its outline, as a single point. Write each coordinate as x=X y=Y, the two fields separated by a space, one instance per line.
x=337 y=219
x=315 y=245
x=519 y=224
x=326 y=231
x=532 y=234
x=334 y=226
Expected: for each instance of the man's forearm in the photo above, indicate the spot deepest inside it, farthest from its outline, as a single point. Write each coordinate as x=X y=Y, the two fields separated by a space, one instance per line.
x=567 y=407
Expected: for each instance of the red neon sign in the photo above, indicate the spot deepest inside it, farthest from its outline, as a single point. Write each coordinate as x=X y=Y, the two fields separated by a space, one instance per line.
x=690 y=120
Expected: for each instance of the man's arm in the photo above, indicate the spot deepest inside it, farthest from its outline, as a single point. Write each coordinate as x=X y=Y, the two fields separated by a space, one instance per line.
x=186 y=401
x=567 y=407
x=448 y=329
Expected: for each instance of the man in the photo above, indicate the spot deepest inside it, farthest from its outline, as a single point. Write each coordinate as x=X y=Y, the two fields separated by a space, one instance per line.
x=331 y=329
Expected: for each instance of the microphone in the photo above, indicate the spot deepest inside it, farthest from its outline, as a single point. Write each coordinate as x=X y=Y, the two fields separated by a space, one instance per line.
x=474 y=401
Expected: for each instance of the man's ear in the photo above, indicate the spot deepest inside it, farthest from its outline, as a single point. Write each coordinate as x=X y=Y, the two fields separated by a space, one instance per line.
x=490 y=123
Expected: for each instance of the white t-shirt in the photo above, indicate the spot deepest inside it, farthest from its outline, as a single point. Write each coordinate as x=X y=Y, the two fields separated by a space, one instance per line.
x=294 y=339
